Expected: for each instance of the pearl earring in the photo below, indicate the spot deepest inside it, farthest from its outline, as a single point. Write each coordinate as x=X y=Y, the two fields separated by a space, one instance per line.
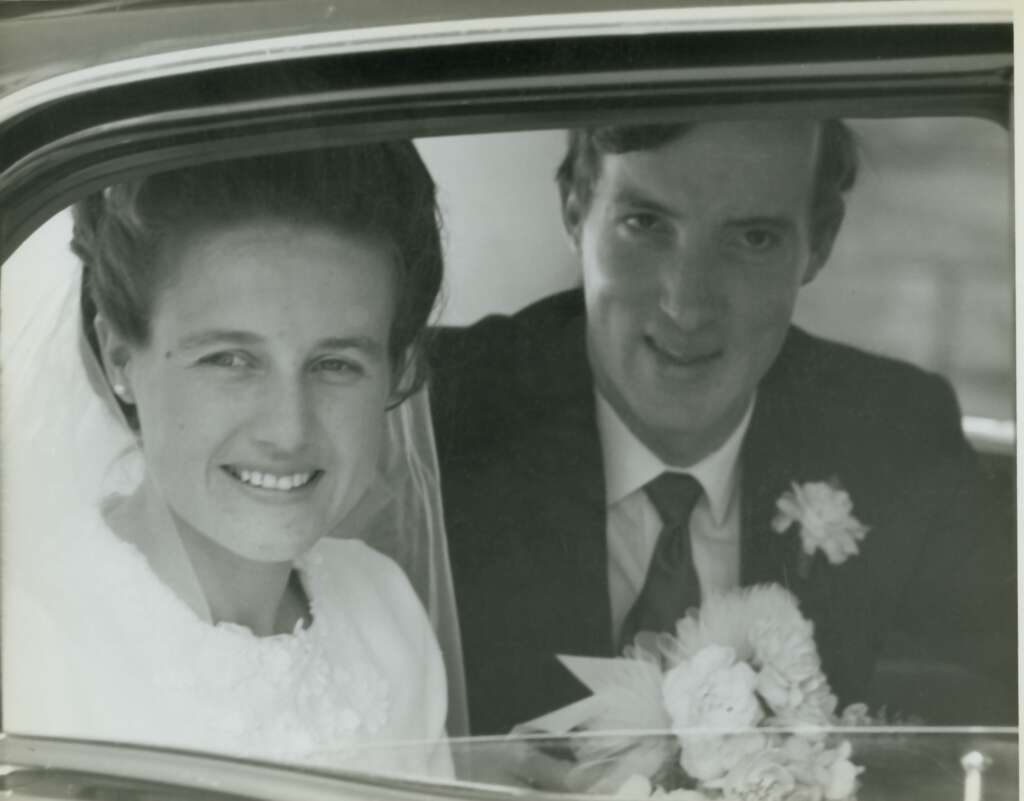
x=119 y=390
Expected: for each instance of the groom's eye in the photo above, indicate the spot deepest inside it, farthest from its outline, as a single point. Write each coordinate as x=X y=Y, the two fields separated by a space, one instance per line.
x=338 y=368
x=642 y=222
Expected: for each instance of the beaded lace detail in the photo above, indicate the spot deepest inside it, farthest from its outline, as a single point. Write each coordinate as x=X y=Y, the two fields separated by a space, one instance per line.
x=303 y=696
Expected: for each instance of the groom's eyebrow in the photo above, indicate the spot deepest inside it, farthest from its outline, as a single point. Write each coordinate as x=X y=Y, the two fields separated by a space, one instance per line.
x=368 y=345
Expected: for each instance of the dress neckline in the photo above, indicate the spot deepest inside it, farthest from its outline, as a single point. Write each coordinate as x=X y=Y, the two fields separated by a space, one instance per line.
x=162 y=555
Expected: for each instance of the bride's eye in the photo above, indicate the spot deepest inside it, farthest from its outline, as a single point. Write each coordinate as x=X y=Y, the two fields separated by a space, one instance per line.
x=229 y=359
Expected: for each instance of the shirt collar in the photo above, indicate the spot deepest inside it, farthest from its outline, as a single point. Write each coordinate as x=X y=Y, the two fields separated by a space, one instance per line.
x=629 y=464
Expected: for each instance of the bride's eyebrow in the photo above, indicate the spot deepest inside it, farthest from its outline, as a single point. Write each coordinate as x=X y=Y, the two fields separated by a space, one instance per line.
x=370 y=346
x=217 y=336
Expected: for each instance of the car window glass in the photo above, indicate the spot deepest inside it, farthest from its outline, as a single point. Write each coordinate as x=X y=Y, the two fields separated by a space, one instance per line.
x=921 y=270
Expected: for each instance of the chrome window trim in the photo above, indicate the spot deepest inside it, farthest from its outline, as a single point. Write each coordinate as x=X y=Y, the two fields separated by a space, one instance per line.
x=246 y=778
x=991 y=435
x=807 y=15
x=253 y=779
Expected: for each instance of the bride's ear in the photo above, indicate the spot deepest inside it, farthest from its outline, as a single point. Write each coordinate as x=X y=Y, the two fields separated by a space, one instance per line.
x=116 y=354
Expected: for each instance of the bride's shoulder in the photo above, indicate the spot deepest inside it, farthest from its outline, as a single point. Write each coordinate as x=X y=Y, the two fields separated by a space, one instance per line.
x=351 y=571
x=358 y=590
x=65 y=548
x=351 y=556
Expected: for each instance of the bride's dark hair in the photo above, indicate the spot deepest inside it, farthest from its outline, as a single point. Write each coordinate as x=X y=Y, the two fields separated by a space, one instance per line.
x=125 y=235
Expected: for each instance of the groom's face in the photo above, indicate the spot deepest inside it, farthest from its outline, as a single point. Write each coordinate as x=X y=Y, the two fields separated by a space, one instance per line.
x=692 y=256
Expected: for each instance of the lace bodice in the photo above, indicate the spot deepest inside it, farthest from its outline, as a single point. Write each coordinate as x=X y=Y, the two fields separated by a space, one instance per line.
x=105 y=651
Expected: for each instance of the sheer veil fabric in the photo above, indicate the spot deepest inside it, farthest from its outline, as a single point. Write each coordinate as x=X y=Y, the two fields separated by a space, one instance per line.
x=66 y=448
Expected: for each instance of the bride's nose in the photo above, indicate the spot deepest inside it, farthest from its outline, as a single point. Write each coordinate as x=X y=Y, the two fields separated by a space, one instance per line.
x=284 y=418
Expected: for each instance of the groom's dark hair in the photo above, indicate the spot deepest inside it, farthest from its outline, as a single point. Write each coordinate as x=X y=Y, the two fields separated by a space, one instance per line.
x=581 y=167
x=126 y=234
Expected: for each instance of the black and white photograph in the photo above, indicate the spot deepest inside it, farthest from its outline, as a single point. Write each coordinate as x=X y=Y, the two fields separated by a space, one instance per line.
x=571 y=400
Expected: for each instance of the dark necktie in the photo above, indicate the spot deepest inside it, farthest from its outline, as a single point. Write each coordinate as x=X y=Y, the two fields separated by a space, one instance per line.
x=671 y=586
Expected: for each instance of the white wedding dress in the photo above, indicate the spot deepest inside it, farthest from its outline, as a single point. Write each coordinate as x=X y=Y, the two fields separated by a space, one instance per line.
x=102 y=649
x=97 y=644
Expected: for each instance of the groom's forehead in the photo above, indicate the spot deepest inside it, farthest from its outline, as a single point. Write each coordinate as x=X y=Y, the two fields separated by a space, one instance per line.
x=789 y=153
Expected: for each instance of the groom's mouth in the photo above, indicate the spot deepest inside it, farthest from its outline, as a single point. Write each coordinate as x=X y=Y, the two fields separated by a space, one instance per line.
x=275 y=482
x=681 y=357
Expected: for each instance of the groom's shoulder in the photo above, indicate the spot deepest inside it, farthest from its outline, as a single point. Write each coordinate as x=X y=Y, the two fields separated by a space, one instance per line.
x=483 y=376
x=496 y=345
x=537 y=321
x=808 y=359
x=846 y=385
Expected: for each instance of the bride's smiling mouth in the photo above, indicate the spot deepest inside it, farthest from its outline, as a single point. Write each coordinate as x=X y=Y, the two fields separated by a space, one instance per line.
x=273 y=481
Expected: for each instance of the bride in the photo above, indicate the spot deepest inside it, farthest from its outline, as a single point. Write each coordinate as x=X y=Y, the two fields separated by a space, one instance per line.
x=206 y=425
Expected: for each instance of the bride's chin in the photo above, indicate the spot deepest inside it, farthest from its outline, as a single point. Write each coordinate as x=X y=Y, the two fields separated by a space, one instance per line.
x=274 y=546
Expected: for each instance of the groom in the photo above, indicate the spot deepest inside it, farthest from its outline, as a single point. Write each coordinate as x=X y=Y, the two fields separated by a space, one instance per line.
x=566 y=434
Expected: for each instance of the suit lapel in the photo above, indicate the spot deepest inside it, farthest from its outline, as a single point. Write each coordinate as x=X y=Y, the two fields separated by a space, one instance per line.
x=768 y=464
x=559 y=455
x=784 y=446
x=777 y=453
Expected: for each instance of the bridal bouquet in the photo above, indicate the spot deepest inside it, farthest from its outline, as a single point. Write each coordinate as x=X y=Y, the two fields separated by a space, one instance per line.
x=740 y=686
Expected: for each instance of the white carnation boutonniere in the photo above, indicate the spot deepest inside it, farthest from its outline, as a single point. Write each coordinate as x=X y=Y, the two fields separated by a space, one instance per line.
x=824 y=513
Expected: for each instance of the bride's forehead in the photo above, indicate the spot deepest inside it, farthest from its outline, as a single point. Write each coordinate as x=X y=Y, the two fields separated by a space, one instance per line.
x=265 y=272
x=234 y=261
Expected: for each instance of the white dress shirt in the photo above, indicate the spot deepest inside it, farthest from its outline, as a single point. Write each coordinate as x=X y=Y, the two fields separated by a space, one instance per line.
x=634 y=525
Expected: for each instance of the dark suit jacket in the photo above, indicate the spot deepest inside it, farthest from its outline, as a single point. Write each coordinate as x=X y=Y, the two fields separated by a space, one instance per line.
x=523 y=487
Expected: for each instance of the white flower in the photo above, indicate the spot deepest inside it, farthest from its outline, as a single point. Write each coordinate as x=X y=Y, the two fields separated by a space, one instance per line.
x=856 y=715
x=744 y=659
x=787 y=646
x=827 y=770
x=637 y=786
x=679 y=794
x=777 y=690
x=765 y=776
x=825 y=515
x=712 y=690
x=710 y=757
x=764 y=628
x=836 y=774
x=816 y=708
x=805 y=792
x=790 y=666
x=737 y=619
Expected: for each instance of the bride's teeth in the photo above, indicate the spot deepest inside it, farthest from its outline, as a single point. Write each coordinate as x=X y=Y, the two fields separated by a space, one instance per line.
x=269 y=481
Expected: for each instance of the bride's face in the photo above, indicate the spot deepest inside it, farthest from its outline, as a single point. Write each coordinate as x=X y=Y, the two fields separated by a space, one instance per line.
x=262 y=391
